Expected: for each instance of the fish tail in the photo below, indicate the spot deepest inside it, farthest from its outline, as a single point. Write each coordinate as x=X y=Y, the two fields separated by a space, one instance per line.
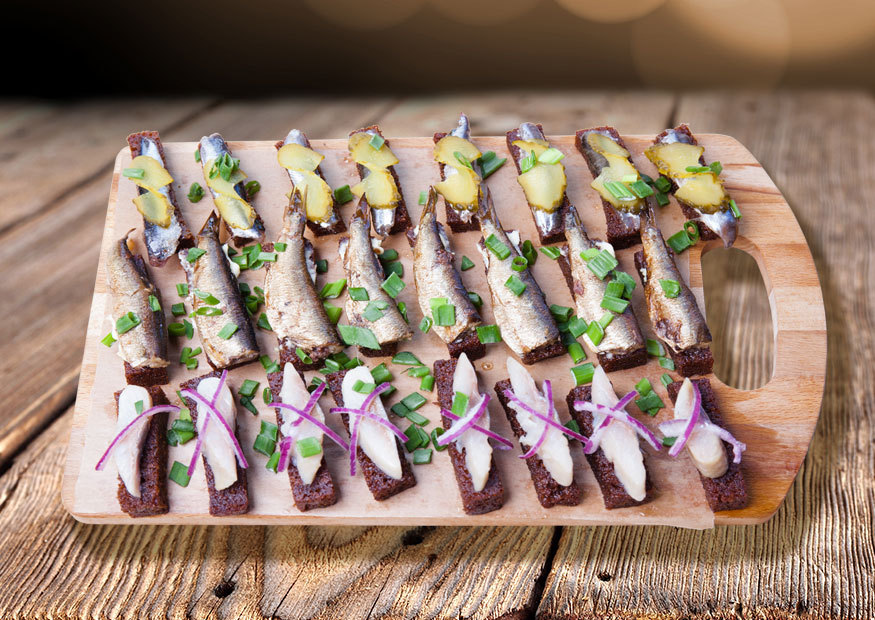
x=211 y=226
x=295 y=215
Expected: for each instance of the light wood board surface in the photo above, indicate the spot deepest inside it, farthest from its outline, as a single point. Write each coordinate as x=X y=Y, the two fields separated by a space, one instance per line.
x=775 y=421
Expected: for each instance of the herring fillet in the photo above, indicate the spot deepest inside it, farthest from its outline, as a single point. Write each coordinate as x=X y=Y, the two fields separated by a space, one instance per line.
x=294 y=308
x=211 y=273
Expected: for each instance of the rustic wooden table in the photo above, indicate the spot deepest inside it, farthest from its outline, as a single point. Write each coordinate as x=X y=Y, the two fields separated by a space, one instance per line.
x=815 y=558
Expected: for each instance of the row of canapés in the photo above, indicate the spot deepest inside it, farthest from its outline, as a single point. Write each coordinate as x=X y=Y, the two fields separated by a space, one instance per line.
x=308 y=338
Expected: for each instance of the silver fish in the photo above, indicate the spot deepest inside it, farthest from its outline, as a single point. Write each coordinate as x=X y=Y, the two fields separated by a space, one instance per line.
x=363 y=270
x=213 y=147
x=547 y=222
x=462 y=130
x=210 y=274
x=525 y=320
x=146 y=344
x=622 y=335
x=384 y=219
x=161 y=242
x=435 y=276
x=296 y=136
x=597 y=162
x=677 y=321
x=294 y=308
x=722 y=222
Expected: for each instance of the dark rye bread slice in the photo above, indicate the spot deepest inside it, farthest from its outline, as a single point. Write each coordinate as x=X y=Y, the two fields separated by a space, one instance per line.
x=402 y=217
x=185 y=239
x=454 y=221
x=381 y=485
x=620 y=234
x=315 y=227
x=235 y=499
x=729 y=491
x=695 y=361
x=153 y=465
x=613 y=492
x=689 y=212
x=491 y=497
x=544 y=352
x=550 y=493
x=610 y=362
x=557 y=233
x=467 y=342
x=322 y=491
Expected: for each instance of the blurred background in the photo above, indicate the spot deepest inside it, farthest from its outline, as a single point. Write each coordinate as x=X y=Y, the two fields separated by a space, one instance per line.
x=275 y=47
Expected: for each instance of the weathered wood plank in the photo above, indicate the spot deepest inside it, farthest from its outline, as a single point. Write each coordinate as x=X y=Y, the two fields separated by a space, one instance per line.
x=815 y=558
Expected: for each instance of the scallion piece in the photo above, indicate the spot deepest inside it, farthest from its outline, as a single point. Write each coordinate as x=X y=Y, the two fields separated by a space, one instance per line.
x=268 y=364
x=427 y=383
x=402 y=308
x=389 y=255
x=126 y=323
x=698 y=169
x=423 y=197
x=134 y=173
x=418 y=371
x=376 y=142
x=576 y=352
x=497 y=247
x=671 y=288
x=414 y=438
x=562 y=313
x=614 y=304
x=475 y=299
x=195 y=192
x=572 y=425
x=178 y=309
x=359 y=336
x=661 y=199
x=589 y=254
x=460 y=404
x=467 y=263
x=265 y=445
x=279 y=246
x=602 y=264
x=619 y=190
x=182 y=289
x=400 y=410
x=425 y=324
x=735 y=210
x=445 y=315
x=264 y=323
x=308 y=446
x=666 y=379
x=413 y=401
x=643 y=387
x=227 y=331
x=615 y=289
x=207 y=298
x=462 y=159
x=273 y=462
x=363 y=388
x=595 y=332
x=332 y=311
x=550 y=252
x=583 y=374
x=302 y=355
x=692 y=230
x=654 y=348
x=343 y=194
x=406 y=358
x=416 y=418
x=189 y=328
x=488 y=334
x=640 y=189
x=108 y=340
x=435 y=433
x=422 y=456
x=576 y=326
x=516 y=285
x=358 y=293
x=662 y=184
x=179 y=474
x=381 y=374
x=627 y=281
x=679 y=241
x=252 y=187
x=519 y=263
x=667 y=363
x=649 y=402
x=332 y=290
x=395 y=267
x=551 y=156
x=197 y=155
x=488 y=166
x=393 y=285
x=194 y=254
x=527 y=162
x=528 y=251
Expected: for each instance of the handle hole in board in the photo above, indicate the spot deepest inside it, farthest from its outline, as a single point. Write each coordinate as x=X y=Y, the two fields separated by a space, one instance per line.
x=740 y=318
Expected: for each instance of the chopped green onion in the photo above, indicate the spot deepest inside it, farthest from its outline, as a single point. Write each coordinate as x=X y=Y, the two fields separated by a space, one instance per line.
x=643 y=387
x=649 y=401
x=692 y=230
x=627 y=281
x=475 y=299
x=308 y=446
x=427 y=383
x=422 y=456
x=572 y=425
x=467 y=263
x=414 y=438
x=194 y=254
x=667 y=363
x=248 y=388
x=189 y=328
x=445 y=315
x=528 y=252
x=614 y=304
x=395 y=267
x=423 y=197
x=666 y=379
x=671 y=288
x=389 y=255
x=662 y=184
x=407 y=358
x=179 y=474
x=668 y=442
x=425 y=324
x=435 y=433
x=264 y=444
x=551 y=252
x=516 y=285
x=488 y=165
x=343 y=194
x=264 y=323
x=416 y=418
x=360 y=336
x=393 y=285
x=302 y=355
x=279 y=246
x=376 y=142
x=138 y=407
x=602 y=264
x=134 y=173
x=374 y=310
x=619 y=190
x=402 y=308
x=207 y=298
x=227 y=331
x=178 y=309
x=562 y=313
x=698 y=169
x=207 y=311
x=576 y=326
x=595 y=332
x=414 y=401
x=679 y=241
x=332 y=311
x=358 y=293
x=247 y=402
x=400 y=410
x=195 y=192
x=321 y=265
x=551 y=156
x=418 y=371
x=661 y=199
x=735 y=210
x=182 y=289
x=333 y=290
x=268 y=364
x=589 y=254
x=488 y=334
x=606 y=319
x=497 y=247
x=583 y=374
x=576 y=352
x=363 y=388
x=126 y=323
x=462 y=159
x=108 y=340
x=460 y=404
x=197 y=155
x=519 y=263
x=527 y=162
x=268 y=257
x=381 y=374
x=641 y=189
x=252 y=187
x=273 y=462
x=654 y=348
x=615 y=289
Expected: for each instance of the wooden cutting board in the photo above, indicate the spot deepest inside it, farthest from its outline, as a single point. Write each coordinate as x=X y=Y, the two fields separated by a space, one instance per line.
x=776 y=421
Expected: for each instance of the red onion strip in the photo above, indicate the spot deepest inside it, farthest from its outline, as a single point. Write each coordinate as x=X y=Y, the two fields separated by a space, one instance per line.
x=504 y=444
x=314 y=398
x=212 y=411
x=616 y=413
x=304 y=415
x=142 y=416
x=285 y=449
x=466 y=423
x=674 y=428
x=548 y=420
x=359 y=414
x=692 y=420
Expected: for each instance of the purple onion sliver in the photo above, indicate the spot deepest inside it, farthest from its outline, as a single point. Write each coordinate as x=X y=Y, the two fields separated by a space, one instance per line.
x=316 y=422
x=222 y=380
x=353 y=443
x=147 y=413
x=504 y=443
x=446 y=438
x=285 y=448
x=548 y=421
x=241 y=458
x=197 y=448
x=691 y=424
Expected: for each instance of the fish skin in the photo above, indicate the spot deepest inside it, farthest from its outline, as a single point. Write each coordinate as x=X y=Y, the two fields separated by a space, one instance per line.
x=146 y=344
x=435 y=275
x=622 y=335
x=212 y=147
x=678 y=322
x=294 y=308
x=363 y=269
x=722 y=223
x=544 y=220
x=211 y=273
x=525 y=321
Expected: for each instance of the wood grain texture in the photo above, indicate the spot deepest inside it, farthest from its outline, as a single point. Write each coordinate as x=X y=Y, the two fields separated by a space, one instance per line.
x=815 y=558
x=776 y=444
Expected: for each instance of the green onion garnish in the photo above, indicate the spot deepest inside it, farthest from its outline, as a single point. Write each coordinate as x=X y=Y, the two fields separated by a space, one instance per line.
x=416 y=418
x=671 y=288
x=735 y=210
x=427 y=383
x=268 y=364
x=602 y=264
x=359 y=336
x=227 y=331
x=527 y=162
x=179 y=474
x=414 y=401
x=389 y=255
x=407 y=358
x=615 y=288
x=445 y=315
x=343 y=194
x=363 y=388
x=182 y=289
x=308 y=446
x=519 y=263
x=264 y=323
x=489 y=164
x=178 y=309
x=126 y=323
x=666 y=379
x=321 y=265
x=393 y=285
x=667 y=363
x=583 y=374
x=418 y=371
x=332 y=311
x=661 y=199
x=619 y=190
x=402 y=308
x=462 y=159
x=573 y=425
x=425 y=324
x=206 y=297
x=698 y=169
x=302 y=355
x=376 y=142
x=649 y=402
x=252 y=187
x=606 y=319
x=692 y=230
x=197 y=155
x=497 y=247
x=595 y=332
x=475 y=299
x=516 y=285
x=422 y=456
x=265 y=445
x=195 y=192
x=614 y=304
x=381 y=374
x=654 y=348
x=267 y=257
x=668 y=442
x=423 y=197
x=627 y=281
x=134 y=173
x=279 y=246
x=460 y=404
x=374 y=310
x=333 y=290
x=189 y=328
x=414 y=437
x=589 y=254
x=358 y=293
x=248 y=388
x=562 y=313
x=641 y=189
x=662 y=184
x=679 y=241
x=643 y=387
x=551 y=252
x=488 y=334
x=400 y=410
x=393 y=267
x=467 y=263
x=194 y=254
x=576 y=352
x=551 y=156
x=576 y=326
x=435 y=433
x=108 y=340
x=528 y=252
